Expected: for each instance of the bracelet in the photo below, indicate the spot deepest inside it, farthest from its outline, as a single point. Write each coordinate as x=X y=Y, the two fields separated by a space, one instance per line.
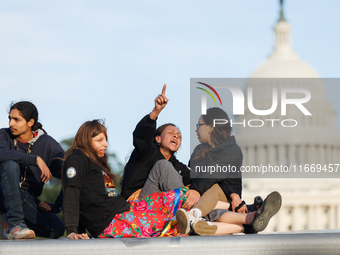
x=240 y=205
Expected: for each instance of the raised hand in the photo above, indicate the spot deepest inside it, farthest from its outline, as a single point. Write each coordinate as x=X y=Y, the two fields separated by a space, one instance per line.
x=160 y=102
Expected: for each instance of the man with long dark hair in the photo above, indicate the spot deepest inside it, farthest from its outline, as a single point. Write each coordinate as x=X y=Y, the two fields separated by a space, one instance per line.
x=28 y=159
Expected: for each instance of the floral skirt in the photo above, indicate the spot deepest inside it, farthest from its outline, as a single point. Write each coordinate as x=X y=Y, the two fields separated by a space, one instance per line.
x=152 y=216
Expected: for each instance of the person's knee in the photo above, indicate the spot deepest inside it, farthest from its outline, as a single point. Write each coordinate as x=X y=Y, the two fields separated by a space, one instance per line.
x=59 y=230
x=10 y=167
x=161 y=165
x=51 y=227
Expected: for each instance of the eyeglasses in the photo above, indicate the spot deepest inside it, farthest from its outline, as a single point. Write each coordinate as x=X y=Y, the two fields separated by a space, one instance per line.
x=199 y=124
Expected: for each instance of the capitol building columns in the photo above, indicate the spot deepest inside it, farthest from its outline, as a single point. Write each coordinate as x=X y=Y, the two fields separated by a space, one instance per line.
x=290 y=154
x=338 y=216
x=271 y=154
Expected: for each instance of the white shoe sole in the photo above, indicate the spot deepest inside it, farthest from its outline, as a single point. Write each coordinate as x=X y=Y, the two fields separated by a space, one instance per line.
x=28 y=235
x=203 y=228
x=183 y=221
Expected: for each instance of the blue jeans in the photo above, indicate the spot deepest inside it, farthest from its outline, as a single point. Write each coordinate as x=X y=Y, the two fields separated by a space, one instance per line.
x=22 y=207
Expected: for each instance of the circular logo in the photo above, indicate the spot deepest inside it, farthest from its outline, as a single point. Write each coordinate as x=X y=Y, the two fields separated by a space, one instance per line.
x=71 y=172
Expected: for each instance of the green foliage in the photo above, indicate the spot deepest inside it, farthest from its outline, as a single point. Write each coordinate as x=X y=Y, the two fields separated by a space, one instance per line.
x=50 y=193
x=66 y=143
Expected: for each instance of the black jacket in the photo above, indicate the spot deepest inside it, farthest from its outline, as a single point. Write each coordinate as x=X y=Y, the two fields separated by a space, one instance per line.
x=145 y=154
x=86 y=204
x=227 y=154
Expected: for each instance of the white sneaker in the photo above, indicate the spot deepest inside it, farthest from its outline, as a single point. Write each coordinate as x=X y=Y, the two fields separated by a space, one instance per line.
x=187 y=220
x=183 y=221
x=201 y=226
x=194 y=216
x=204 y=228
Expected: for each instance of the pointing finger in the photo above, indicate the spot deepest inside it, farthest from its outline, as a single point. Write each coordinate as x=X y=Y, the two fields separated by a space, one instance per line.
x=163 y=90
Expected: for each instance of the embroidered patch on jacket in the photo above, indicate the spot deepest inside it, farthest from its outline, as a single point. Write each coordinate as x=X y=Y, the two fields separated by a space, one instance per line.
x=71 y=172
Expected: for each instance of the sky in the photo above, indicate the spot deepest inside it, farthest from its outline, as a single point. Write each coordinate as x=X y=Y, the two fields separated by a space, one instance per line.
x=84 y=60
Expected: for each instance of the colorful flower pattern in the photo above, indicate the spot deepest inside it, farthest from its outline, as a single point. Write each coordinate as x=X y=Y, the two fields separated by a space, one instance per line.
x=147 y=217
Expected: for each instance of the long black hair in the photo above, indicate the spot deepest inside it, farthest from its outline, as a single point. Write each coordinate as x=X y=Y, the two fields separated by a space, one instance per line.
x=28 y=111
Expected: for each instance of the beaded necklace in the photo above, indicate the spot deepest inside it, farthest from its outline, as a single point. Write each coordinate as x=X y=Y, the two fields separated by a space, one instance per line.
x=23 y=174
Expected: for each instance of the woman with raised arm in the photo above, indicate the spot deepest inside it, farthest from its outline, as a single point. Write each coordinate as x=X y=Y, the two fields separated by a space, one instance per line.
x=153 y=166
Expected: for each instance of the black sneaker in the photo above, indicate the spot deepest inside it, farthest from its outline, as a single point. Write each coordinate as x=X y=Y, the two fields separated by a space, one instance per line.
x=258 y=202
x=271 y=206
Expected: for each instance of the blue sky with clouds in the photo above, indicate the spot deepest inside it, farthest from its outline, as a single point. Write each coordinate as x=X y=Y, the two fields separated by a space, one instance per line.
x=79 y=60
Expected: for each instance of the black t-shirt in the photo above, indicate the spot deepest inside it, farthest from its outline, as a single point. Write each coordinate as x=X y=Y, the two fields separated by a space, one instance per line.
x=86 y=202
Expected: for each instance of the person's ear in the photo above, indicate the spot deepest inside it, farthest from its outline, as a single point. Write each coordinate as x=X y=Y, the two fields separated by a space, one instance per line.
x=211 y=128
x=30 y=123
x=158 y=139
